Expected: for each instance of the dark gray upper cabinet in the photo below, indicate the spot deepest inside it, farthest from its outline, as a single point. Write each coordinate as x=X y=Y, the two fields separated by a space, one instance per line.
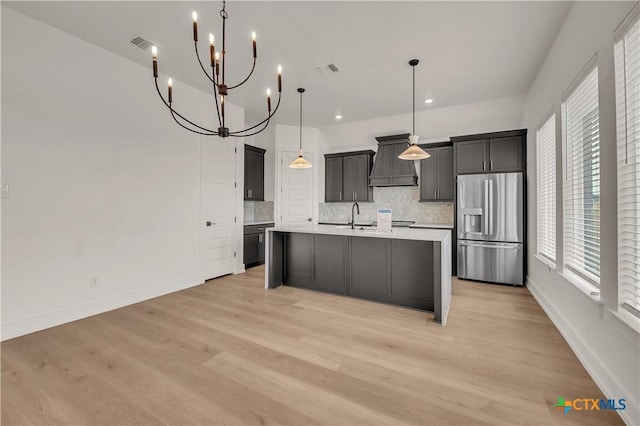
x=333 y=179
x=490 y=152
x=436 y=174
x=506 y=154
x=347 y=176
x=253 y=173
x=388 y=169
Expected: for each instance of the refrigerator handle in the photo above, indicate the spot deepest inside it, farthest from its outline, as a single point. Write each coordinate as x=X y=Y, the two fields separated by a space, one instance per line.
x=485 y=213
x=490 y=207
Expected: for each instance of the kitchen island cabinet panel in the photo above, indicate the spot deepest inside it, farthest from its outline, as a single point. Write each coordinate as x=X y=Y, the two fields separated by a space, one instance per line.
x=298 y=269
x=369 y=269
x=411 y=276
x=330 y=255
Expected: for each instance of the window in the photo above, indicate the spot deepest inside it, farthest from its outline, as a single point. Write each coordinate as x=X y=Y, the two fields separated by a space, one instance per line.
x=581 y=143
x=627 y=62
x=546 y=193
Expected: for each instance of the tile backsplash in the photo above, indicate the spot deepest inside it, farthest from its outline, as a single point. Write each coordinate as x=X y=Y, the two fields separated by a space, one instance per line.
x=404 y=200
x=258 y=211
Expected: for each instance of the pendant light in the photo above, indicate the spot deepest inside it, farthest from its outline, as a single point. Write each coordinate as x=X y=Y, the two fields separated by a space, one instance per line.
x=300 y=162
x=414 y=152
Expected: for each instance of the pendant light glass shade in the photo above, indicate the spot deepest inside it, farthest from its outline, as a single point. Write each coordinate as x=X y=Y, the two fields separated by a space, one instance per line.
x=414 y=152
x=300 y=162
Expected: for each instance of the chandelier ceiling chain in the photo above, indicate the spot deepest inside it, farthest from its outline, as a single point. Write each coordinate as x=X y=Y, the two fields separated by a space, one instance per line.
x=220 y=88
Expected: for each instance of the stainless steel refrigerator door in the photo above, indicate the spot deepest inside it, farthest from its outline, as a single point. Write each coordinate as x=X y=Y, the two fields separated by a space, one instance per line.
x=491 y=262
x=472 y=206
x=506 y=207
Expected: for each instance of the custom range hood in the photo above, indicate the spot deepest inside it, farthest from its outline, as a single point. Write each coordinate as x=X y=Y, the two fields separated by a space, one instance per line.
x=388 y=169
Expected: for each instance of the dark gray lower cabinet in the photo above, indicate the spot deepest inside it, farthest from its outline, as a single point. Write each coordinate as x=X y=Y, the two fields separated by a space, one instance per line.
x=411 y=275
x=370 y=269
x=330 y=255
x=316 y=261
x=384 y=270
x=298 y=268
x=254 y=240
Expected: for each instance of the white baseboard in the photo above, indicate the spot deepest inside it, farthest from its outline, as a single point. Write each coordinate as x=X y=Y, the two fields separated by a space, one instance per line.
x=72 y=313
x=596 y=368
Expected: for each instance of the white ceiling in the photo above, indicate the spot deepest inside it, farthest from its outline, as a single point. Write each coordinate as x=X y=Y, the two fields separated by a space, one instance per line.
x=468 y=51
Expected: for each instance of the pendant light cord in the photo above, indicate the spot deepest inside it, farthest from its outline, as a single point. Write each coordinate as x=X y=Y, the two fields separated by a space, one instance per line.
x=414 y=99
x=301 y=121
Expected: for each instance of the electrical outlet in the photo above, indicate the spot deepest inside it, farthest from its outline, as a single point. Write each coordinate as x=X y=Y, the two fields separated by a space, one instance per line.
x=94 y=281
x=4 y=190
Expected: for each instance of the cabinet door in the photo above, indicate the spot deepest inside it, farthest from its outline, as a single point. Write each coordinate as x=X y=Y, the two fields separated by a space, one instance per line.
x=330 y=263
x=333 y=179
x=471 y=156
x=445 y=173
x=370 y=268
x=349 y=172
x=361 y=184
x=298 y=269
x=429 y=176
x=355 y=178
x=251 y=249
x=505 y=154
x=253 y=175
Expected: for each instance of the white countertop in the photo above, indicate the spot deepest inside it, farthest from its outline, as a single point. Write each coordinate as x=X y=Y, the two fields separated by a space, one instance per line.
x=398 y=233
x=432 y=225
x=257 y=222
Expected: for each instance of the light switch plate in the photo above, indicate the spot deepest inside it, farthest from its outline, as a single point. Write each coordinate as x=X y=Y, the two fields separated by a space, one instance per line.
x=4 y=191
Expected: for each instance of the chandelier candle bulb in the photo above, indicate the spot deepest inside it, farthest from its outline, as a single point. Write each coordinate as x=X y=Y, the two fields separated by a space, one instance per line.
x=222 y=106
x=154 y=57
x=195 y=26
x=212 y=49
x=253 y=36
x=279 y=78
x=217 y=57
x=170 y=90
x=269 y=100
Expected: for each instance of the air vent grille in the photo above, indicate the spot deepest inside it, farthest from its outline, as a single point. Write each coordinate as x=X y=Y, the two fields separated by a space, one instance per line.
x=327 y=69
x=143 y=43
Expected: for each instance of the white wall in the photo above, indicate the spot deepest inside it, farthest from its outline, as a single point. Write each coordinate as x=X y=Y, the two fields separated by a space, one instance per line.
x=433 y=124
x=103 y=183
x=608 y=347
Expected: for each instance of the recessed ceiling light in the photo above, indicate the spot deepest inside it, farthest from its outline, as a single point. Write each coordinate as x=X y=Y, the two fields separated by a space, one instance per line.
x=338 y=117
x=428 y=101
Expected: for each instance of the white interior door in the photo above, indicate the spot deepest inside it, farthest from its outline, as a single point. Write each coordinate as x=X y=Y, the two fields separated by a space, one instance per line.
x=218 y=168
x=296 y=201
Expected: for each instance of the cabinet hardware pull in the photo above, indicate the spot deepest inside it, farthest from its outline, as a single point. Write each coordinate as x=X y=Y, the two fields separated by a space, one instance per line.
x=435 y=193
x=340 y=196
x=491 y=165
x=484 y=165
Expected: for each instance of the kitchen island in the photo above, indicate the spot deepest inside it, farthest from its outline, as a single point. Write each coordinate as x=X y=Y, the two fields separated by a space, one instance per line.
x=407 y=267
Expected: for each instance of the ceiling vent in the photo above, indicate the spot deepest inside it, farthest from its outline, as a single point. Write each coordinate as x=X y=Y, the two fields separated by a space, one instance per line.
x=327 y=69
x=143 y=43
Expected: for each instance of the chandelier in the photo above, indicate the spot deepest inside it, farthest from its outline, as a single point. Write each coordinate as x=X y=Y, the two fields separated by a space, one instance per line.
x=414 y=152
x=218 y=80
x=300 y=162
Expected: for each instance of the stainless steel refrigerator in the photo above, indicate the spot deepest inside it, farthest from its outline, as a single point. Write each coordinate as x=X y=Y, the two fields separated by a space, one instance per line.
x=490 y=227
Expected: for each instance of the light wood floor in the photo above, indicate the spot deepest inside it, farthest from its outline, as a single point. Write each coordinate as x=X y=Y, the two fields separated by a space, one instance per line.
x=230 y=352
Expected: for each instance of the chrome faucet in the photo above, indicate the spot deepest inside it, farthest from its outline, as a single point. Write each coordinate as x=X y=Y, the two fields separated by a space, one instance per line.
x=353 y=221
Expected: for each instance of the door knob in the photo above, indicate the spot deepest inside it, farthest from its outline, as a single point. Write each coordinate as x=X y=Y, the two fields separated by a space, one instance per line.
x=309 y=219
x=210 y=223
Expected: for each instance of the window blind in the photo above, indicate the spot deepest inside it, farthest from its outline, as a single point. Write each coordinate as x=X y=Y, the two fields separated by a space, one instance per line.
x=582 y=177
x=546 y=190
x=627 y=71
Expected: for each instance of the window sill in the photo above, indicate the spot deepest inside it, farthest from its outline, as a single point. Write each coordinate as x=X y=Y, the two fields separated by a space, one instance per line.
x=583 y=285
x=548 y=264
